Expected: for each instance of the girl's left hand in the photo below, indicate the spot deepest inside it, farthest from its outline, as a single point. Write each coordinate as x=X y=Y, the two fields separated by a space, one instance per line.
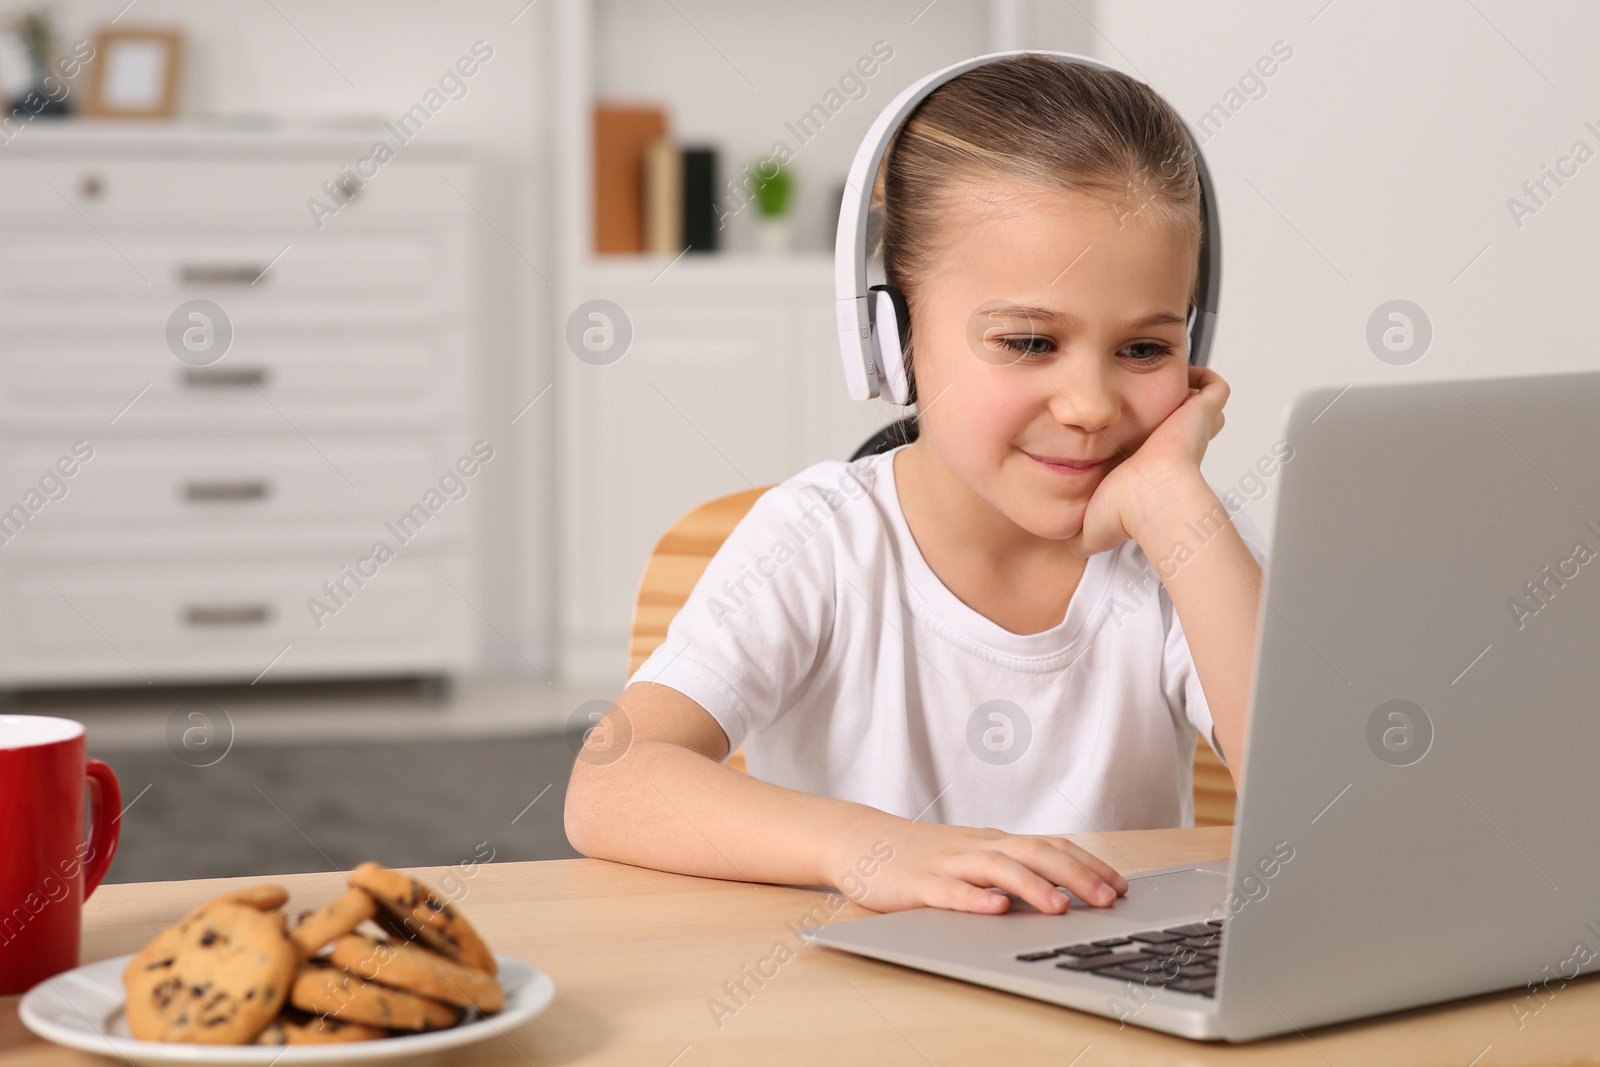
x=1167 y=462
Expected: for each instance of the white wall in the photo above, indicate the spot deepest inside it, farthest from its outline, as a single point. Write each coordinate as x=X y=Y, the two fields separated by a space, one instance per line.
x=1377 y=165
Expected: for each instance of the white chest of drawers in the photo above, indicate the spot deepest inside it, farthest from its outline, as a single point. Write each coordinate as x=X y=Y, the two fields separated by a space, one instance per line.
x=223 y=521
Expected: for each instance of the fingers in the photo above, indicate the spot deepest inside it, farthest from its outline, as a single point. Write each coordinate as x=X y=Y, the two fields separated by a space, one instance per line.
x=1206 y=380
x=1200 y=377
x=986 y=867
x=958 y=895
x=1106 y=872
x=1094 y=883
x=1029 y=867
x=1065 y=864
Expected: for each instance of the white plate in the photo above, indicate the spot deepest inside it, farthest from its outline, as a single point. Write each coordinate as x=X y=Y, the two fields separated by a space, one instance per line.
x=82 y=1009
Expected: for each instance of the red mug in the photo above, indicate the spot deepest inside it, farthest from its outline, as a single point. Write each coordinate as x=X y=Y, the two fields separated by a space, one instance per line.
x=47 y=868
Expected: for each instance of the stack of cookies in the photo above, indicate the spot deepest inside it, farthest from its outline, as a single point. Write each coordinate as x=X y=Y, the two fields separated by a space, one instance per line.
x=388 y=956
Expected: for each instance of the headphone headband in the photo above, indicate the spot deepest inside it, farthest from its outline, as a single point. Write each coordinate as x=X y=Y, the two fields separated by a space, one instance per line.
x=858 y=307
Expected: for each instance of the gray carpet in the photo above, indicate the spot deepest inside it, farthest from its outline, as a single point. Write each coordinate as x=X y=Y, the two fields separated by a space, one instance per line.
x=316 y=807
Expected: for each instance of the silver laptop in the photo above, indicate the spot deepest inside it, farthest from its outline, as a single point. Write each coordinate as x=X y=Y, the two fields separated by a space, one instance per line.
x=1423 y=770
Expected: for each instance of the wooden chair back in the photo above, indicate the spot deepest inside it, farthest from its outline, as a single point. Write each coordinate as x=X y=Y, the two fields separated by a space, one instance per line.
x=681 y=556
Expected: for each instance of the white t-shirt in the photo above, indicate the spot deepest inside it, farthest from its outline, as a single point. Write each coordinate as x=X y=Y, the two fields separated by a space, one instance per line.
x=821 y=640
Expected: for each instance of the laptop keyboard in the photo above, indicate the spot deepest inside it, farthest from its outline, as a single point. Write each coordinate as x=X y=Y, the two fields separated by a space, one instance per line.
x=1181 y=958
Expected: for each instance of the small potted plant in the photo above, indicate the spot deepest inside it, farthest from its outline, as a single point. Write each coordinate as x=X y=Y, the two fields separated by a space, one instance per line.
x=774 y=197
x=36 y=34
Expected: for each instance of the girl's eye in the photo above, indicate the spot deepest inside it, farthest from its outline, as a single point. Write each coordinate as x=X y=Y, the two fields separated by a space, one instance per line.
x=1028 y=349
x=1155 y=351
x=1033 y=349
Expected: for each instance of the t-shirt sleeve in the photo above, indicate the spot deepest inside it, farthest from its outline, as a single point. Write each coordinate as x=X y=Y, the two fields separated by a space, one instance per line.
x=1180 y=680
x=754 y=627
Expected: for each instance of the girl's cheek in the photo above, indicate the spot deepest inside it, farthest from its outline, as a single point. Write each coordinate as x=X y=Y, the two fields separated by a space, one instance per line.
x=992 y=409
x=1161 y=395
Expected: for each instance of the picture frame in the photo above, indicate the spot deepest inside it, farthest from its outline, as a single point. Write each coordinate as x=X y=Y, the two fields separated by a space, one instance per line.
x=136 y=74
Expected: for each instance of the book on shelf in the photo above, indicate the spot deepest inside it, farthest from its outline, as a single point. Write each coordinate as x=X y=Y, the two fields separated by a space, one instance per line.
x=663 y=198
x=680 y=199
x=652 y=194
x=622 y=137
x=700 y=222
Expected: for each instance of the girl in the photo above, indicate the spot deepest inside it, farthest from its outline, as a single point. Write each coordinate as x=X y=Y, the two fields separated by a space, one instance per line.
x=942 y=657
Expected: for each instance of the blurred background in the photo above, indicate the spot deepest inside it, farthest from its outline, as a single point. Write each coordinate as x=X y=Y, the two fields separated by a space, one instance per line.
x=355 y=354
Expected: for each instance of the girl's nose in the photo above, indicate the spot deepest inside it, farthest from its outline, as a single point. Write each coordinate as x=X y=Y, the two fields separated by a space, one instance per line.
x=1081 y=396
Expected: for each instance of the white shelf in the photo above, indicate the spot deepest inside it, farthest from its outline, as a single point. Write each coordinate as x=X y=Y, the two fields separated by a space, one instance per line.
x=710 y=269
x=277 y=140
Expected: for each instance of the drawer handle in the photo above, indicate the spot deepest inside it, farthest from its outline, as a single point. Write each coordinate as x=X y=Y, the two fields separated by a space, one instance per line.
x=222 y=273
x=212 y=492
x=231 y=377
x=228 y=614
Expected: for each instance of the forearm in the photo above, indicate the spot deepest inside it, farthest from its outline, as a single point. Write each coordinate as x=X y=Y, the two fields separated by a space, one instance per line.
x=664 y=806
x=1214 y=587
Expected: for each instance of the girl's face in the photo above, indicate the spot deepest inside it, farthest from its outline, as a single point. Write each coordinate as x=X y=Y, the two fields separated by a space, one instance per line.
x=1052 y=328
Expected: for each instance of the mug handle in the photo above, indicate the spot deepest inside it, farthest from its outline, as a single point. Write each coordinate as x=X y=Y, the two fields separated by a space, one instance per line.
x=105 y=822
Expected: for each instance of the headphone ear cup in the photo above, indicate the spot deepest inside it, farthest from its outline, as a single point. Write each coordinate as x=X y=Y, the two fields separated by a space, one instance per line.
x=891 y=335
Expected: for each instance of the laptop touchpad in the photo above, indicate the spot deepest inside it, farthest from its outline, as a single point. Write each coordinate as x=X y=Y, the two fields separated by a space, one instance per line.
x=1156 y=897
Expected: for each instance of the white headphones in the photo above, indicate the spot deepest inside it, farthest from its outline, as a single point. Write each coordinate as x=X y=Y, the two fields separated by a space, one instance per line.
x=874 y=324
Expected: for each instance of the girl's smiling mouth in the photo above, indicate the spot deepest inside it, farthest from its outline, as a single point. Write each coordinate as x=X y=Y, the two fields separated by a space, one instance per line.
x=1067 y=466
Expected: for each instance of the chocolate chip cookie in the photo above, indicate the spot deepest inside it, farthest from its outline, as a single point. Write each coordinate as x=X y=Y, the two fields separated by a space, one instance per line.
x=410 y=911
x=217 y=977
x=406 y=965
x=302 y=1028
x=327 y=990
x=334 y=919
x=264 y=897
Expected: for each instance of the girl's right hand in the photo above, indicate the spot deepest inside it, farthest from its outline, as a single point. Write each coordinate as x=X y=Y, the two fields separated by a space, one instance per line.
x=940 y=866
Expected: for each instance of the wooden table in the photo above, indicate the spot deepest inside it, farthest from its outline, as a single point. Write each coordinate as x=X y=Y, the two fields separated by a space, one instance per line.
x=638 y=955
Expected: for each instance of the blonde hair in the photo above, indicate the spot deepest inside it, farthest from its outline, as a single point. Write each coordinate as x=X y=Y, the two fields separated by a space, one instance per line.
x=1035 y=120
